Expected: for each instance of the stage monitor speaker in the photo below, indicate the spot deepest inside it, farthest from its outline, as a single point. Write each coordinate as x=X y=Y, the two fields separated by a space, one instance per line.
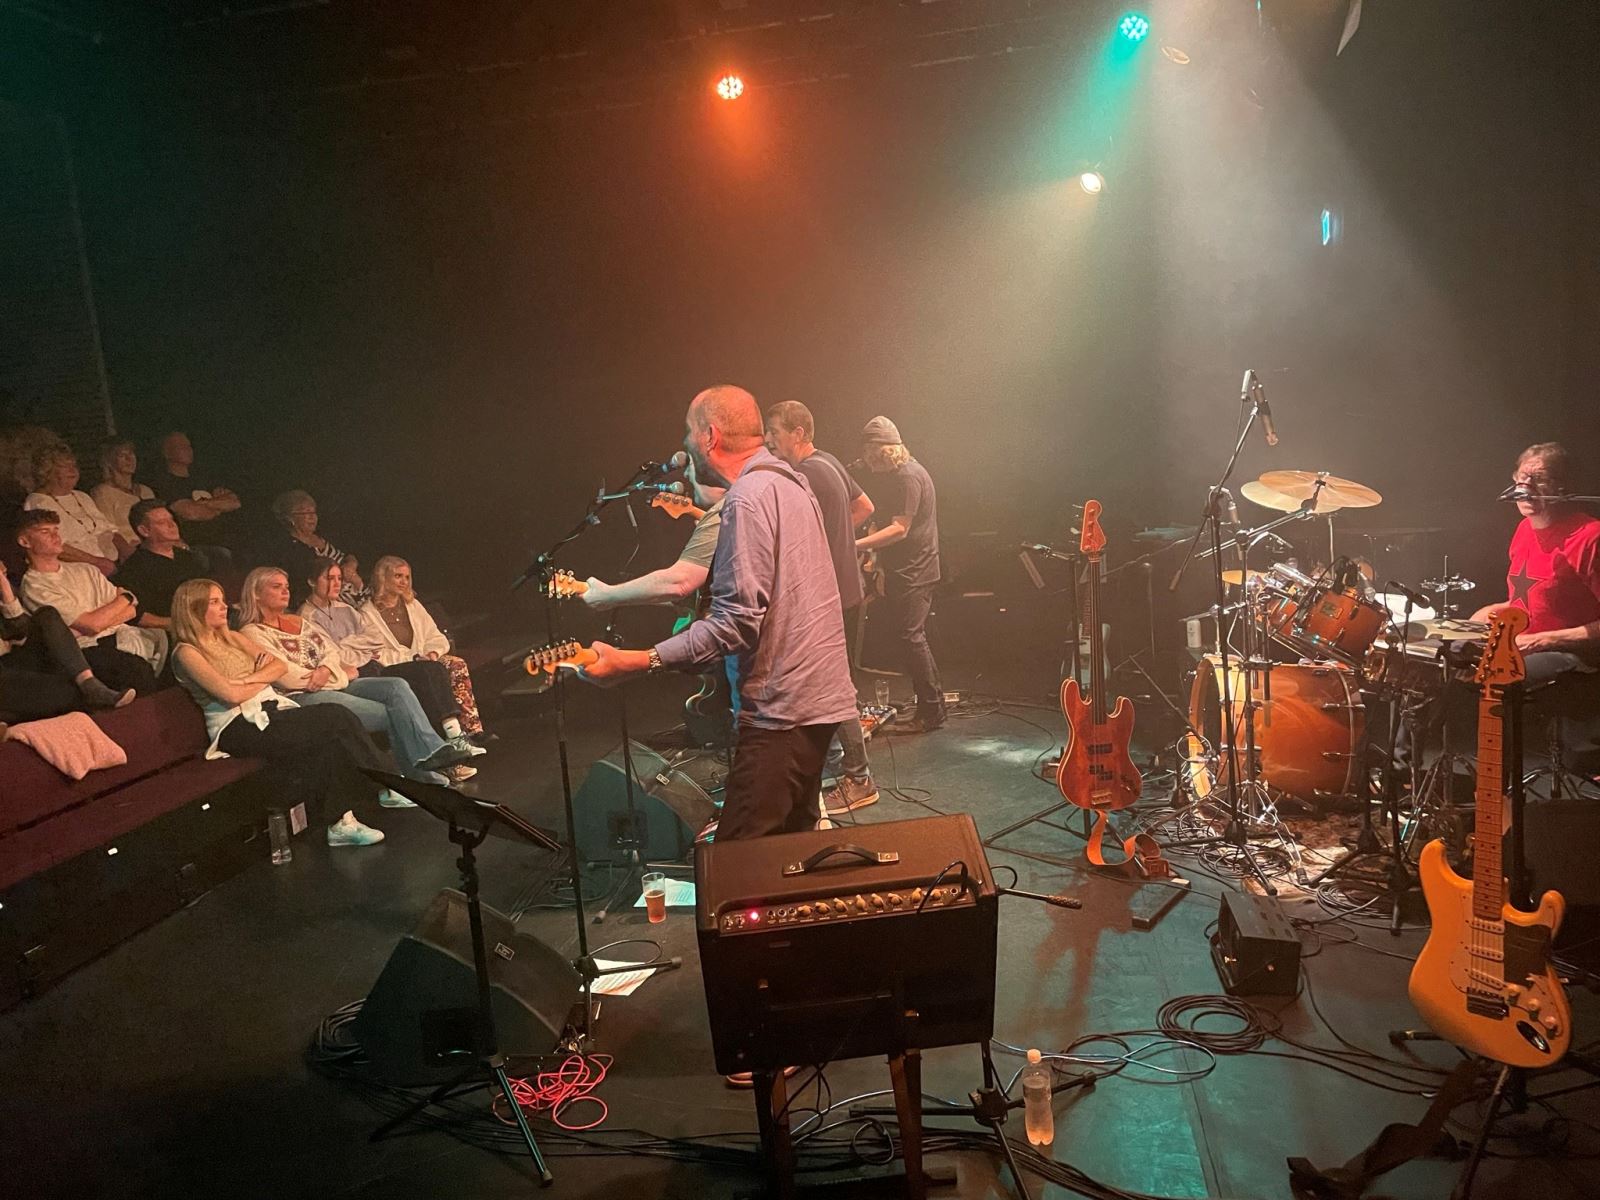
x=669 y=807
x=416 y=1022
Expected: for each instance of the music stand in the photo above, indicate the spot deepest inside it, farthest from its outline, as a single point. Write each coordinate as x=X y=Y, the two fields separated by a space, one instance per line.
x=471 y=821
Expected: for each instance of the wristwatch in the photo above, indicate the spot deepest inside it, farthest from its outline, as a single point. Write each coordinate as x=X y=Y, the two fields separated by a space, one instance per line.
x=655 y=662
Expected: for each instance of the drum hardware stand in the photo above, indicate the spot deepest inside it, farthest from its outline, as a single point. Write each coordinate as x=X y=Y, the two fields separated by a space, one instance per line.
x=1234 y=833
x=1400 y=880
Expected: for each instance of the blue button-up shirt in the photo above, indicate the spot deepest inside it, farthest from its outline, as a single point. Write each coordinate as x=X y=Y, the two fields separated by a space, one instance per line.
x=774 y=605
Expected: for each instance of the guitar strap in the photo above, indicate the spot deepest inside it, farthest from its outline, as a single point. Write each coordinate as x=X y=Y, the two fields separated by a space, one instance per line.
x=1395 y=1145
x=1141 y=852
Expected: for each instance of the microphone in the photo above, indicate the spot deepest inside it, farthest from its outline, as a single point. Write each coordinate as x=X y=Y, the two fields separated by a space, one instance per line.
x=675 y=488
x=1047 y=551
x=1516 y=493
x=676 y=463
x=1033 y=572
x=1416 y=598
x=1233 y=507
x=1252 y=389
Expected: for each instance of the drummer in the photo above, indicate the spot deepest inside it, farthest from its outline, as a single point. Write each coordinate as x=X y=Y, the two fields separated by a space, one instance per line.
x=1554 y=574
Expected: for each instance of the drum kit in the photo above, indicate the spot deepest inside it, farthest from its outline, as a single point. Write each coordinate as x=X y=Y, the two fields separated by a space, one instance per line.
x=1307 y=651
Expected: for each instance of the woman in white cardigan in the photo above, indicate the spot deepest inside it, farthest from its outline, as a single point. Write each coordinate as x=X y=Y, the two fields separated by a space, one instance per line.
x=409 y=633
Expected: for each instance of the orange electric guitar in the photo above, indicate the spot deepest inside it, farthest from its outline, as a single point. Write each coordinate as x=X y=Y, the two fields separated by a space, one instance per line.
x=564 y=585
x=1096 y=772
x=1483 y=980
x=543 y=664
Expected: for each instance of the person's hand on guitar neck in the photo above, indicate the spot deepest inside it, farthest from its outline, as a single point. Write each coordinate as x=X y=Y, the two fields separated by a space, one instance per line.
x=613 y=665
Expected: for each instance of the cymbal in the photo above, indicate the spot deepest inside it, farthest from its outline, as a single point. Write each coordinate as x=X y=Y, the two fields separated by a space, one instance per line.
x=1259 y=493
x=1453 y=629
x=1303 y=484
x=1455 y=583
x=1235 y=578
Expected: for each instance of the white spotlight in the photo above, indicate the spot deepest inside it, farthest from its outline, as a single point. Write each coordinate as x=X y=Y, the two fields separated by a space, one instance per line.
x=1092 y=182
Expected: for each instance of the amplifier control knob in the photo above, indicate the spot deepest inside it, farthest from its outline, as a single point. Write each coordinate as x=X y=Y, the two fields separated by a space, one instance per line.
x=877 y=901
x=841 y=906
x=896 y=900
x=916 y=895
x=861 y=904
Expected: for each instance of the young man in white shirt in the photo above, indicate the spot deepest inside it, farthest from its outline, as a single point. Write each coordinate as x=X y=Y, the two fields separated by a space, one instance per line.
x=99 y=614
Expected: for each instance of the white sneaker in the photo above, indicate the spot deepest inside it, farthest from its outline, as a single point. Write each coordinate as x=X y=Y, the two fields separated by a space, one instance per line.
x=391 y=800
x=472 y=748
x=348 y=831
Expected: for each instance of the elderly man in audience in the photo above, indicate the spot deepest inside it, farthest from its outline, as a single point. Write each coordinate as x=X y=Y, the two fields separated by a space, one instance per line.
x=87 y=534
x=203 y=506
x=408 y=634
x=100 y=614
x=42 y=670
x=161 y=562
x=116 y=492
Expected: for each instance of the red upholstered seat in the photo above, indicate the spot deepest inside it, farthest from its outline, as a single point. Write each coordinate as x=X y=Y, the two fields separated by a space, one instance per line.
x=155 y=731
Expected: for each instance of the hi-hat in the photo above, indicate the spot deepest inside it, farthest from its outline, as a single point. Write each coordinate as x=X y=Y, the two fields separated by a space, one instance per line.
x=1259 y=493
x=1454 y=583
x=1302 y=485
x=1235 y=578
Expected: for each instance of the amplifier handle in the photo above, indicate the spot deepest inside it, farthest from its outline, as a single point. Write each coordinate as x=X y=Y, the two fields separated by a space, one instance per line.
x=861 y=853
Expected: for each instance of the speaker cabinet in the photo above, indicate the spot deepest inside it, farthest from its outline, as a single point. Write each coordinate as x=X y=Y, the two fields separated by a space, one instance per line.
x=669 y=809
x=416 y=1023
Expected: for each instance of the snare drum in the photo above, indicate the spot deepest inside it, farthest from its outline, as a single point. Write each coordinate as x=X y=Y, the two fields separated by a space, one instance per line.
x=1283 y=593
x=1310 y=733
x=1420 y=671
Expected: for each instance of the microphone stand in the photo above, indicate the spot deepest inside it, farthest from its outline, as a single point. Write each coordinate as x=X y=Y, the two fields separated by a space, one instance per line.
x=1233 y=834
x=543 y=569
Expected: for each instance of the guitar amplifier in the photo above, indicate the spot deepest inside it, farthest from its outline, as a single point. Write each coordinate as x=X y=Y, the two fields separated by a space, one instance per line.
x=846 y=943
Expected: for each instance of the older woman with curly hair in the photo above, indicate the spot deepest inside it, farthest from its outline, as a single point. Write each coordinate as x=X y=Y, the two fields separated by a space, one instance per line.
x=87 y=534
x=406 y=633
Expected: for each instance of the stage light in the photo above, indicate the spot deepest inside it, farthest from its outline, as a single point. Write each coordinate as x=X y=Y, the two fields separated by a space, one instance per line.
x=1134 y=26
x=1092 y=182
x=730 y=87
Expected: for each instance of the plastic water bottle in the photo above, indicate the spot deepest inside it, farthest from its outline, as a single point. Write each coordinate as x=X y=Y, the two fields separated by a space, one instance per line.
x=1038 y=1116
x=278 y=834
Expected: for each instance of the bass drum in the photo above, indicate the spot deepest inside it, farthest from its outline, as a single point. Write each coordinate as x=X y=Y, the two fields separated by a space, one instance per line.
x=1311 y=733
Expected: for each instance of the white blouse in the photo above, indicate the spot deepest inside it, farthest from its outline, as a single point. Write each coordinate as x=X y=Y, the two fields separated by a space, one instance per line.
x=116 y=503
x=426 y=637
x=83 y=526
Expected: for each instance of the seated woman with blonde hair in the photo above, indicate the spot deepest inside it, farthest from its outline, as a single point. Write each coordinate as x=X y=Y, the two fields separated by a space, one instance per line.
x=406 y=633
x=87 y=534
x=230 y=677
x=318 y=674
x=117 y=493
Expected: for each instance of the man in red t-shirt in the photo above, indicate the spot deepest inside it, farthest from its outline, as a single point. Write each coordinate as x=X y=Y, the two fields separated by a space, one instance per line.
x=1555 y=570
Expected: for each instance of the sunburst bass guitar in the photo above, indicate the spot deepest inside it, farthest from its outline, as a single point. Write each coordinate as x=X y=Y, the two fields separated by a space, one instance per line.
x=1483 y=980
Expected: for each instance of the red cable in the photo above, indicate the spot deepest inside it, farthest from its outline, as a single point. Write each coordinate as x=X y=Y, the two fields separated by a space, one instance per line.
x=555 y=1092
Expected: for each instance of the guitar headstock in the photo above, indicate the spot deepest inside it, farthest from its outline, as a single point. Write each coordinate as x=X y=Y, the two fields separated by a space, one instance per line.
x=564 y=585
x=1093 y=539
x=1502 y=663
x=673 y=504
x=543 y=664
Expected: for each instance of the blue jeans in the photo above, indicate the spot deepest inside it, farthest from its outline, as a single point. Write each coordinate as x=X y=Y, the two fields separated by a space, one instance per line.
x=388 y=706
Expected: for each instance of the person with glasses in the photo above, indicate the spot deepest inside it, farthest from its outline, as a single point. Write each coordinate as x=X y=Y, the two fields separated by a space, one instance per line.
x=1554 y=571
x=303 y=547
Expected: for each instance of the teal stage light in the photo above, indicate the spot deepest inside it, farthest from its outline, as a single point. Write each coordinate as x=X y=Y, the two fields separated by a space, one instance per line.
x=1134 y=26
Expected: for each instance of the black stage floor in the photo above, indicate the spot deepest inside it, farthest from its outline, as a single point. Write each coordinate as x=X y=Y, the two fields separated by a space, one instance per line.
x=174 y=1065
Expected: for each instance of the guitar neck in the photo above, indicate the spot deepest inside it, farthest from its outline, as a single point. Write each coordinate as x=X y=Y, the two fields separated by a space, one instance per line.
x=1488 y=858
x=1097 y=670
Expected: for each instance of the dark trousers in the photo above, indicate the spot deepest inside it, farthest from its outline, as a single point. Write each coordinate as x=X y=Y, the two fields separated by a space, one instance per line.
x=322 y=749
x=37 y=678
x=430 y=680
x=118 y=669
x=775 y=782
x=909 y=607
